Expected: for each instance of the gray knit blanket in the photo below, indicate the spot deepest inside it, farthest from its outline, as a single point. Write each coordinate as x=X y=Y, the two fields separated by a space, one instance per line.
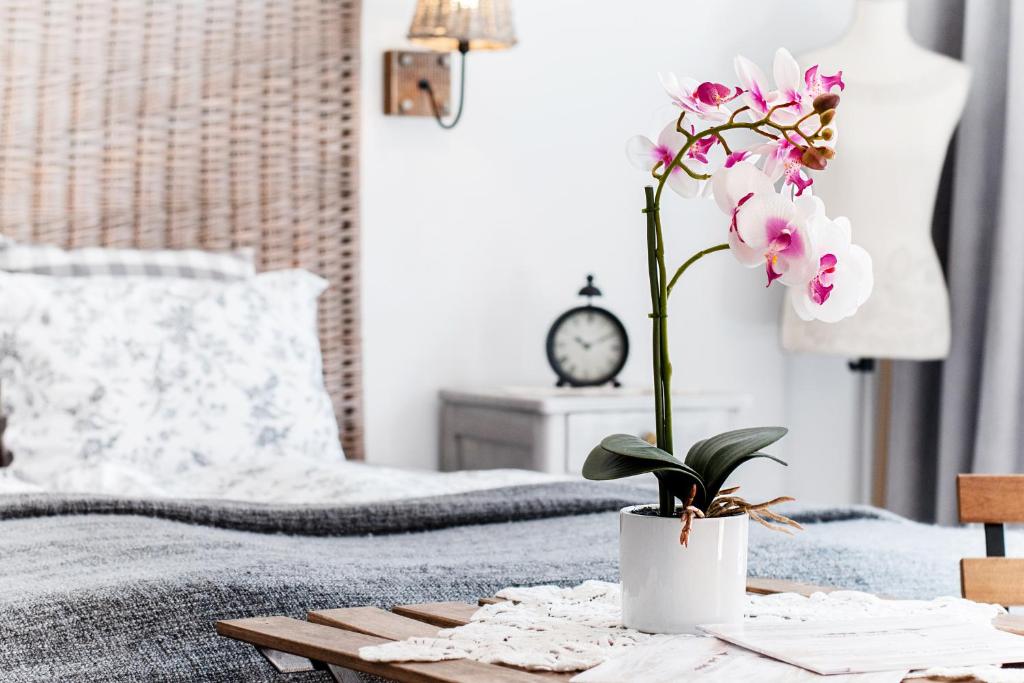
x=107 y=589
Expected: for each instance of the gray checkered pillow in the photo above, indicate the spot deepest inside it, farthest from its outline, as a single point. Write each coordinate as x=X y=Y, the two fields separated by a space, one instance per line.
x=191 y=264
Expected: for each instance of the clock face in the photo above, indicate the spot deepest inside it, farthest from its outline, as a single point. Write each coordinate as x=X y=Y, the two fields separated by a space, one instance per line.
x=587 y=346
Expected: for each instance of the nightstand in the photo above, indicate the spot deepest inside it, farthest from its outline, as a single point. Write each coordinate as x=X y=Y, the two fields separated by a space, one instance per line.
x=554 y=429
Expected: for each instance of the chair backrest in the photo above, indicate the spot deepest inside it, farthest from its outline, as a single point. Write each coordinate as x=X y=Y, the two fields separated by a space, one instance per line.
x=993 y=501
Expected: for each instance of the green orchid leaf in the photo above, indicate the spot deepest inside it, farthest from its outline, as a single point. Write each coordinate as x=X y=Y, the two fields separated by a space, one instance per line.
x=635 y=447
x=625 y=455
x=723 y=466
x=739 y=442
x=717 y=457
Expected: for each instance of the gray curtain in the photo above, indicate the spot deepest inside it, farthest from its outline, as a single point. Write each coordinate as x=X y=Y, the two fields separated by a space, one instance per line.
x=964 y=414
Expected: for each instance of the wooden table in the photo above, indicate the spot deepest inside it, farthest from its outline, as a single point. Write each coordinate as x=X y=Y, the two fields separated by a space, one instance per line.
x=330 y=640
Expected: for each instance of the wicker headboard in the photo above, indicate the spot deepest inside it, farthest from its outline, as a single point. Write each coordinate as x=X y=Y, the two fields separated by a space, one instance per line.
x=193 y=123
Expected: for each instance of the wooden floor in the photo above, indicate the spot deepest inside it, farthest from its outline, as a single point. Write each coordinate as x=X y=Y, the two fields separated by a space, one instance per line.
x=330 y=640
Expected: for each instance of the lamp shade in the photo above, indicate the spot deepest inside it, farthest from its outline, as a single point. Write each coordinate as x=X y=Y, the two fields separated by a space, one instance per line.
x=445 y=24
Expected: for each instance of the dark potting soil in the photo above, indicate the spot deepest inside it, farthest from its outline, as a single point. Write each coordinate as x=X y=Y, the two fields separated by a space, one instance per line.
x=653 y=510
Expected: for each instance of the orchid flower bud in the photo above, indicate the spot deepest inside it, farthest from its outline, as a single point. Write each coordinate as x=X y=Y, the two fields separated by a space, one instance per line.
x=827 y=134
x=827 y=117
x=822 y=103
x=827 y=152
x=813 y=158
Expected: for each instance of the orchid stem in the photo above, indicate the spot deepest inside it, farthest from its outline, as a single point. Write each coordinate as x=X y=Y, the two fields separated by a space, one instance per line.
x=656 y=273
x=666 y=364
x=693 y=259
x=656 y=312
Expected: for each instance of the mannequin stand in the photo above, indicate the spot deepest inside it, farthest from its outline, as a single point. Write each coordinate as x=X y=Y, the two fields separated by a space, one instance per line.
x=875 y=410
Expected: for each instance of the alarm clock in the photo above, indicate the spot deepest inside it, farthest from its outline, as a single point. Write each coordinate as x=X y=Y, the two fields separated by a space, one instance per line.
x=587 y=346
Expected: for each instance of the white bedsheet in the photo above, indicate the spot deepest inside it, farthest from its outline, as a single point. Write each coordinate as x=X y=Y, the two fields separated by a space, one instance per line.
x=295 y=481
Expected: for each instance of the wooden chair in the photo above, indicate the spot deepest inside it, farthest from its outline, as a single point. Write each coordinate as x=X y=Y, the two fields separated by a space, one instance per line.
x=993 y=501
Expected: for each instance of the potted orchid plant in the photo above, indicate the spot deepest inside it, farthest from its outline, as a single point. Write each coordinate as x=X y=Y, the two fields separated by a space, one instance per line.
x=676 y=575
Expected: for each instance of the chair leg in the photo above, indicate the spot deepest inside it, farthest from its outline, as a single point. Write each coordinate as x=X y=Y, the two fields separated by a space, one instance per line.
x=343 y=675
x=286 y=663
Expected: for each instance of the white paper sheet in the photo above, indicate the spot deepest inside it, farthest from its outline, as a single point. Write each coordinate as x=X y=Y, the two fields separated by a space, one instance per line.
x=879 y=644
x=709 y=660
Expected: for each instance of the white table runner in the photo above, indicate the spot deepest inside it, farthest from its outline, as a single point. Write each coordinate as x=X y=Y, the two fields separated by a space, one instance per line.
x=577 y=629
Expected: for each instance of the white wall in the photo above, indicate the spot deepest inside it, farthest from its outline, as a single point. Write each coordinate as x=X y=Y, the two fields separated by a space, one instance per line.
x=476 y=238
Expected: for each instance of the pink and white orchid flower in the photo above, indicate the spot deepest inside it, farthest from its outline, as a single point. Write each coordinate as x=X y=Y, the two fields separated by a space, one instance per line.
x=784 y=159
x=789 y=86
x=648 y=156
x=704 y=100
x=785 y=232
x=757 y=91
x=773 y=232
x=698 y=151
x=817 y=84
x=842 y=279
x=732 y=187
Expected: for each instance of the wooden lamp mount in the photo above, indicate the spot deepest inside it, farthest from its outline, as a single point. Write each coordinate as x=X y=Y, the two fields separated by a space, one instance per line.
x=404 y=70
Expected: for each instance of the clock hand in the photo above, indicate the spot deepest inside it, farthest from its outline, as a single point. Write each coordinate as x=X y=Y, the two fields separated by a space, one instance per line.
x=610 y=335
x=582 y=343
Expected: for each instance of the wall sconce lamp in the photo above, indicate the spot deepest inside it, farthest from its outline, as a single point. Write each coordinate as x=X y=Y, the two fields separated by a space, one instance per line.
x=419 y=83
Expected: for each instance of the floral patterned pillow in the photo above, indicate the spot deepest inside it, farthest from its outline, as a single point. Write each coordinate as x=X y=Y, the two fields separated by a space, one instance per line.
x=162 y=378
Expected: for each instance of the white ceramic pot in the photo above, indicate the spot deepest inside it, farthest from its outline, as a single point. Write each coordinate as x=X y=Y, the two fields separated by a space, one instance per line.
x=667 y=588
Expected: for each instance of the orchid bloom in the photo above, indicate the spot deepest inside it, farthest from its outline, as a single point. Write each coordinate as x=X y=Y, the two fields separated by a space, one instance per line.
x=733 y=186
x=698 y=151
x=817 y=84
x=736 y=157
x=842 y=277
x=784 y=159
x=773 y=233
x=650 y=156
x=757 y=93
x=792 y=239
x=705 y=100
x=790 y=87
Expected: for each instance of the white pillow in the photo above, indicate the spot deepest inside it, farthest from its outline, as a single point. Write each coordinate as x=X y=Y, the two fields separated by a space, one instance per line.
x=162 y=380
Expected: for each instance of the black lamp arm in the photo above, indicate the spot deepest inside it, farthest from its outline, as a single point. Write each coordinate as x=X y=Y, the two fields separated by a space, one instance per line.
x=424 y=85
x=5 y=455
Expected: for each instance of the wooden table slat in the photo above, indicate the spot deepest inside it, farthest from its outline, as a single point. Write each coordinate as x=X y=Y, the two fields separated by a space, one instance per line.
x=443 y=614
x=771 y=586
x=754 y=585
x=374 y=622
x=377 y=622
x=341 y=647
x=1011 y=623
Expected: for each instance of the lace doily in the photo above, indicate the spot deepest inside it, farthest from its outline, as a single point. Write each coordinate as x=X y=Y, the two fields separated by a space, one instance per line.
x=547 y=628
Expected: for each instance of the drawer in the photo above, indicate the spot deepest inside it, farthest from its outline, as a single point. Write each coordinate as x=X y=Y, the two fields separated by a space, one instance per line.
x=585 y=430
x=483 y=454
x=479 y=437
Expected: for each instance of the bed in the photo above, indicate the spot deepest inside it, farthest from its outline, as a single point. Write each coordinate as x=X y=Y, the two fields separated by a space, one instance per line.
x=232 y=124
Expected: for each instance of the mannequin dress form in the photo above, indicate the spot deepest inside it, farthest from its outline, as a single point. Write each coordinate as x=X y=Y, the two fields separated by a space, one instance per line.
x=896 y=117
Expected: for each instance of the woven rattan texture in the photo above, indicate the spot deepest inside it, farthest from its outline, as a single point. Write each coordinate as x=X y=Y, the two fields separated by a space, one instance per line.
x=177 y=123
